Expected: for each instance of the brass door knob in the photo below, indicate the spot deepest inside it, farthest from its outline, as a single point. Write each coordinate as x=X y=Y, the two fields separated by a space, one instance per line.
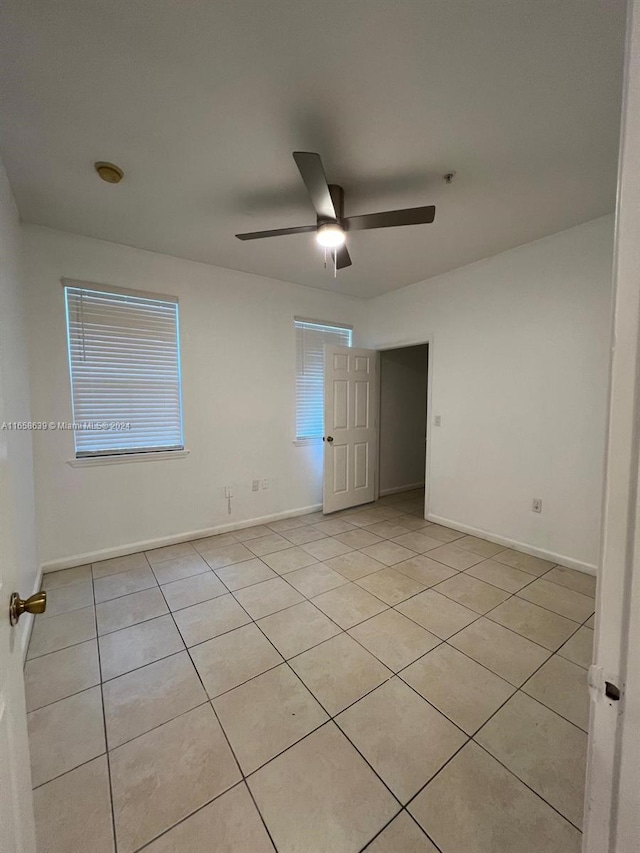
x=34 y=604
x=329 y=438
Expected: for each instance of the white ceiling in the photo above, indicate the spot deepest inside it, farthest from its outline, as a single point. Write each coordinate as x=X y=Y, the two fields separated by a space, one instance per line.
x=201 y=102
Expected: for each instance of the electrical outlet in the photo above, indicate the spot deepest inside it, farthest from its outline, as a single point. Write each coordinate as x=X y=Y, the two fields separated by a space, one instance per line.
x=536 y=505
x=265 y=483
x=228 y=492
x=437 y=421
x=255 y=486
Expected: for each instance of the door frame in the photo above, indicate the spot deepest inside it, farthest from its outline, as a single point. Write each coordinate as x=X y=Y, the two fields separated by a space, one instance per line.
x=428 y=340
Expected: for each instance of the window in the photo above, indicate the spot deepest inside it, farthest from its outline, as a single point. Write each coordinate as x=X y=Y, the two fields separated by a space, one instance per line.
x=124 y=361
x=310 y=340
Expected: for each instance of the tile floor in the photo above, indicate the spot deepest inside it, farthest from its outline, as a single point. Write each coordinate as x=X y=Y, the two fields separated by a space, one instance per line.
x=368 y=681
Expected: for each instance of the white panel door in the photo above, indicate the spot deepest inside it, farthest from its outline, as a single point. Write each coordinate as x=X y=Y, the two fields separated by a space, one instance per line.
x=351 y=378
x=17 y=833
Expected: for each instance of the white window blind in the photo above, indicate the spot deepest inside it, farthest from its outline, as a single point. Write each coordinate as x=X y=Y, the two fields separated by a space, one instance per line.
x=310 y=340
x=124 y=361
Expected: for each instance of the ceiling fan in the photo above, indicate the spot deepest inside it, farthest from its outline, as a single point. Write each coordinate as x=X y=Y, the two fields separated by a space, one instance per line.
x=331 y=224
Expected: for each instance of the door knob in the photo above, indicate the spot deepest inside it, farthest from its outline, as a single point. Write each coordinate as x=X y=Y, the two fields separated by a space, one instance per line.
x=34 y=604
x=329 y=438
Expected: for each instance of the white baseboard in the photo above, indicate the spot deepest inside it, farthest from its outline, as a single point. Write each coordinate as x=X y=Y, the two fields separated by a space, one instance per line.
x=560 y=559
x=147 y=545
x=397 y=489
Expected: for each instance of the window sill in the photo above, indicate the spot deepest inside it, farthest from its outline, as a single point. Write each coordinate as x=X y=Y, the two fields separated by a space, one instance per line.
x=151 y=456
x=303 y=442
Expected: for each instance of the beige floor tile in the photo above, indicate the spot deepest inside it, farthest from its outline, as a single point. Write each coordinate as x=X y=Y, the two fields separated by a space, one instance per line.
x=67 y=598
x=297 y=628
x=437 y=613
x=130 y=610
x=424 y=570
x=444 y=534
x=66 y=577
x=402 y=834
x=217 y=540
x=559 y=599
x=248 y=533
x=58 y=632
x=289 y=560
x=284 y=524
x=244 y=574
x=472 y=593
x=354 y=565
x=119 y=564
x=325 y=549
x=358 y=537
x=387 y=529
x=65 y=735
x=315 y=579
x=349 y=604
x=334 y=526
x=464 y=691
x=339 y=671
x=591 y=621
x=288 y=712
x=411 y=522
x=390 y=586
x=124 y=583
x=542 y=749
x=180 y=568
x=474 y=804
x=162 y=776
x=500 y=575
x=303 y=535
x=67 y=806
x=417 y=541
x=366 y=517
x=578 y=581
x=389 y=553
x=579 y=648
x=138 y=645
x=312 y=517
x=233 y=658
x=524 y=562
x=189 y=591
x=209 y=619
x=226 y=555
x=403 y=738
x=268 y=597
x=320 y=795
x=268 y=544
x=230 y=824
x=509 y=655
x=139 y=701
x=479 y=546
x=562 y=686
x=60 y=674
x=454 y=557
x=394 y=639
x=169 y=552
x=535 y=623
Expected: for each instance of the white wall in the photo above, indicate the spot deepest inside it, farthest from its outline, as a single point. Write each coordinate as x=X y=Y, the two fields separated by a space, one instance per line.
x=17 y=504
x=238 y=369
x=520 y=350
x=403 y=417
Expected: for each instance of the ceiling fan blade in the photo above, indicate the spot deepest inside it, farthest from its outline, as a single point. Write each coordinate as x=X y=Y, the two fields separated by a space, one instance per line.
x=315 y=180
x=279 y=232
x=343 y=258
x=391 y=218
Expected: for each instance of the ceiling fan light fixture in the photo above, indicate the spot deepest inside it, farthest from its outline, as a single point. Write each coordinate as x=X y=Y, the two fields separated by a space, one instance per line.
x=330 y=235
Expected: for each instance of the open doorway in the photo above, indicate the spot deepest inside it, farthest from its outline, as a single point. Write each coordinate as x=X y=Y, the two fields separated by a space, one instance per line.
x=403 y=419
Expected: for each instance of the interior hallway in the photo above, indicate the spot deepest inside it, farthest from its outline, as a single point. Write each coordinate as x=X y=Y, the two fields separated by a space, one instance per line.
x=367 y=680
